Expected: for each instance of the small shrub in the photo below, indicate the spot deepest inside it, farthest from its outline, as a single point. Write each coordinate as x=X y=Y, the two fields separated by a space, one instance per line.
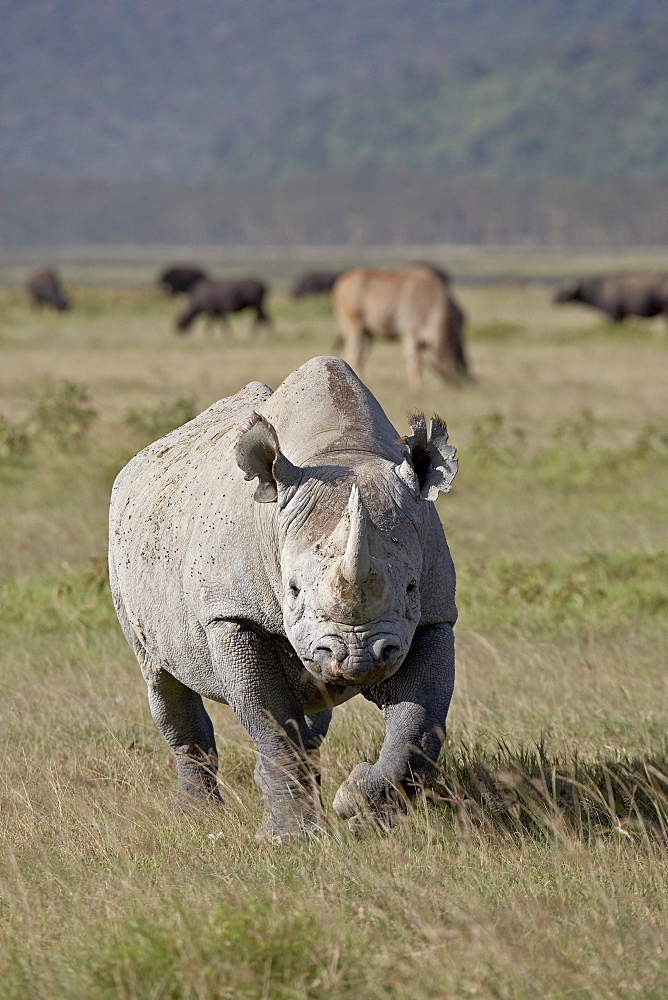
x=155 y=421
x=494 y=441
x=61 y=412
x=14 y=440
x=247 y=947
x=499 y=331
x=523 y=791
x=651 y=439
x=597 y=590
x=580 y=430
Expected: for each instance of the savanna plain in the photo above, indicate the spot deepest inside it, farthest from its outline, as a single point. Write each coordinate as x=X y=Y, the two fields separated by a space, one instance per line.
x=535 y=865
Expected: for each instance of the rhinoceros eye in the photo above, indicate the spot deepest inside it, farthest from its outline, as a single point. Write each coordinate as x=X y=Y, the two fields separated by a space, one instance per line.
x=412 y=587
x=293 y=590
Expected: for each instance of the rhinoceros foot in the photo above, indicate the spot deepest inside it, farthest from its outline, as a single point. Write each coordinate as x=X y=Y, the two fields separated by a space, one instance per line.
x=289 y=819
x=291 y=793
x=369 y=801
x=270 y=832
x=191 y=799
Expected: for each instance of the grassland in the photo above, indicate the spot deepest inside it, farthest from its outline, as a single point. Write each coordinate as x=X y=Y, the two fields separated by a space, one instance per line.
x=535 y=866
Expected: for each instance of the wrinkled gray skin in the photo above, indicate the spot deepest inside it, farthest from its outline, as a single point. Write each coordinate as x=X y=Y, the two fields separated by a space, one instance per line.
x=280 y=553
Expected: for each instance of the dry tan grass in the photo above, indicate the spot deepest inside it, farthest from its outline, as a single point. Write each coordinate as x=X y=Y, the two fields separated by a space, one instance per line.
x=496 y=885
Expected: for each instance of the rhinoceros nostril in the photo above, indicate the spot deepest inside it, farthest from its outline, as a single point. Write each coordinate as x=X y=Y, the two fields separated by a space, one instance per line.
x=385 y=650
x=330 y=658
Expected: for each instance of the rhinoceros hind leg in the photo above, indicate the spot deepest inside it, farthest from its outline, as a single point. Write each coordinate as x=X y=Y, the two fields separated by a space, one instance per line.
x=180 y=716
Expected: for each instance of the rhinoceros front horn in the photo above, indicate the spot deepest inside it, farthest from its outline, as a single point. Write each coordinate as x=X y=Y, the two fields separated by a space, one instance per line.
x=356 y=562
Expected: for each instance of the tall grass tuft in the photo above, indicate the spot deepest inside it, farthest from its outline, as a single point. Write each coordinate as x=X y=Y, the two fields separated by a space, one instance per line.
x=61 y=412
x=14 y=440
x=152 y=422
x=526 y=792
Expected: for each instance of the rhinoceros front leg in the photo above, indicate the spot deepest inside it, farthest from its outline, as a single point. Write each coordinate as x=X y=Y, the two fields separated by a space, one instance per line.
x=415 y=703
x=182 y=719
x=253 y=668
x=287 y=772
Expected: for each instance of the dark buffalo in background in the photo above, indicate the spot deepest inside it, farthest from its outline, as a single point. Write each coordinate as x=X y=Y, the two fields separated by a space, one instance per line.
x=314 y=283
x=220 y=298
x=630 y=293
x=181 y=278
x=44 y=288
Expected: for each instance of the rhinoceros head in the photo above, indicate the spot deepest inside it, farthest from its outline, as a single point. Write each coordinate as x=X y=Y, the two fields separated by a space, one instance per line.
x=351 y=549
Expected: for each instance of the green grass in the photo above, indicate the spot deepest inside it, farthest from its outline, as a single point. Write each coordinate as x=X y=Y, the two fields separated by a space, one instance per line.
x=535 y=864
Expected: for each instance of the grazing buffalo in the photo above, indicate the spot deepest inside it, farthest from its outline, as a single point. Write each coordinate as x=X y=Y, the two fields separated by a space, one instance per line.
x=327 y=577
x=626 y=293
x=44 y=288
x=181 y=278
x=220 y=298
x=413 y=306
x=314 y=283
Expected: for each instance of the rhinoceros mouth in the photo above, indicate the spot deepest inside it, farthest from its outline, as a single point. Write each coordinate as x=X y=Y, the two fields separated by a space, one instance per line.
x=376 y=664
x=348 y=679
x=324 y=675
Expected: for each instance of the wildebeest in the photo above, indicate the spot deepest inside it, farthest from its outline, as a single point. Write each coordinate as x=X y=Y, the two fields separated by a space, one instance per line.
x=219 y=298
x=45 y=289
x=328 y=577
x=314 y=283
x=413 y=306
x=622 y=294
x=181 y=278
x=438 y=271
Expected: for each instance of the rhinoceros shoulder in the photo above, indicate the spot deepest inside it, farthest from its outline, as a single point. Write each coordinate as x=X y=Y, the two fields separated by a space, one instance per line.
x=221 y=418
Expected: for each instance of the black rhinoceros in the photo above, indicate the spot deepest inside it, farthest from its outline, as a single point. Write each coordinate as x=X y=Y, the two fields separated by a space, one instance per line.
x=328 y=577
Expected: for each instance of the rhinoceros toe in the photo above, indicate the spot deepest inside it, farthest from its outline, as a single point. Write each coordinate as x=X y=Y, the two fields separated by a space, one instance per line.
x=368 y=801
x=192 y=800
x=271 y=833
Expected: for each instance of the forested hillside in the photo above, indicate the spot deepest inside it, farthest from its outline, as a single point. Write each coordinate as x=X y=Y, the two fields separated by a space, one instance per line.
x=336 y=210
x=333 y=121
x=593 y=110
x=158 y=88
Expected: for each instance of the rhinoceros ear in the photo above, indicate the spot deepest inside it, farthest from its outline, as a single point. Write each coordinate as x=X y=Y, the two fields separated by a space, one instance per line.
x=258 y=454
x=430 y=465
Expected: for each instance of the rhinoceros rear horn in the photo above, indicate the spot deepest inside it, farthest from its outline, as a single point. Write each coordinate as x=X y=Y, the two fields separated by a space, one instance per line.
x=430 y=465
x=259 y=456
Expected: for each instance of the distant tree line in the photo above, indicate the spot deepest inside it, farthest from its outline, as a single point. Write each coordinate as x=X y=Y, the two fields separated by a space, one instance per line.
x=335 y=210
